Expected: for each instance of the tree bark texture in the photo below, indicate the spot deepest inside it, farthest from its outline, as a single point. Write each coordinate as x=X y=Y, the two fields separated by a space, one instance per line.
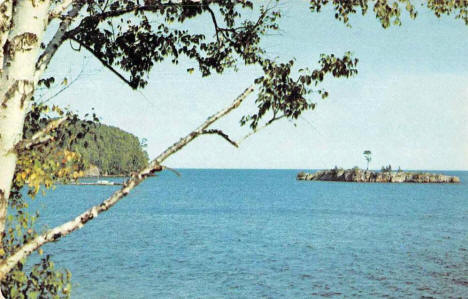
x=20 y=52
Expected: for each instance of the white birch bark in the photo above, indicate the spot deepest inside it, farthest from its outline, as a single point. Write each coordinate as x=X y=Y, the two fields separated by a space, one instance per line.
x=5 y=22
x=30 y=19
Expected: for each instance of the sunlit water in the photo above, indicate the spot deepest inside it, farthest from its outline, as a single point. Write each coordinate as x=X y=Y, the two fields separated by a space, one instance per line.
x=261 y=233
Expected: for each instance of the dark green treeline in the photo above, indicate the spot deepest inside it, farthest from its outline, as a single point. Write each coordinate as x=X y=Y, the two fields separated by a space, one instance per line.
x=113 y=150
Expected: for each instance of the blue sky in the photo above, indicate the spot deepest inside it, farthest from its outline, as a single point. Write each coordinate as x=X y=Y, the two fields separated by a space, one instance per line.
x=408 y=104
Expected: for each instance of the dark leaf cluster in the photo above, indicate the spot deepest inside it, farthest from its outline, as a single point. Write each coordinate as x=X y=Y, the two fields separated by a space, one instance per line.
x=131 y=37
x=286 y=97
x=388 y=12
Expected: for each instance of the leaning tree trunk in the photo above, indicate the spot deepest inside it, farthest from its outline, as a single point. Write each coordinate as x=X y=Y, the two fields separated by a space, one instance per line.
x=29 y=19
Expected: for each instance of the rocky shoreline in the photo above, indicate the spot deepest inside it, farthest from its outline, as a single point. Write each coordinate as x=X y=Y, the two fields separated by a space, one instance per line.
x=368 y=176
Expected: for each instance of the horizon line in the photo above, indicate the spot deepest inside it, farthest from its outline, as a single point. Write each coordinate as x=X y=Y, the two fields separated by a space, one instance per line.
x=253 y=168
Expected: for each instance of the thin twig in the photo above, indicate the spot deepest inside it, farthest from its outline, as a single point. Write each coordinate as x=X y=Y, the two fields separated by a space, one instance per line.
x=104 y=63
x=222 y=134
x=173 y=170
x=64 y=88
x=259 y=128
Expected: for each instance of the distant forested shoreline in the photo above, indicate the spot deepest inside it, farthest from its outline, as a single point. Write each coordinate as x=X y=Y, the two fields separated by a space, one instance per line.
x=112 y=150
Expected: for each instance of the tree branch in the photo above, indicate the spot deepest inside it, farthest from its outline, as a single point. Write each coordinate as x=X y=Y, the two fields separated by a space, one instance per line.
x=117 y=13
x=154 y=166
x=57 y=40
x=215 y=23
x=260 y=128
x=42 y=136
x=104 y=63
x=62 y=89
x=59 y=9
x=154 y=7
x=173 y=170
x=222 y=134
x=184 y=141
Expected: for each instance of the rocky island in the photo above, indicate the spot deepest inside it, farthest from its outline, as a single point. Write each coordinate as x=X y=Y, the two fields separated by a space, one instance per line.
x=368 y=176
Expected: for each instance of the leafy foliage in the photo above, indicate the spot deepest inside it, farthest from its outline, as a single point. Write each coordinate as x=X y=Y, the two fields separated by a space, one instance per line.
x=389 y=12
x=49 y=162
x=286 y=97
x=155 y=32
x=129 y=37
x=39 y=168
x=40 y=280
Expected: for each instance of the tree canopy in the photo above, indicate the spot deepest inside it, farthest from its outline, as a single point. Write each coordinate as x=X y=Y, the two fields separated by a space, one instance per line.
x=368 y=156
x=129 y=38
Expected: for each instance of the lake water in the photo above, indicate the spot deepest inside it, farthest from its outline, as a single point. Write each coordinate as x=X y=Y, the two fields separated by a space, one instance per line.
x=261 y=233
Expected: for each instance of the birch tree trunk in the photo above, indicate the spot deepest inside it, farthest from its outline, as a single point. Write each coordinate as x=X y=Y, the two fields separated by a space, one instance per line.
x=20 y=52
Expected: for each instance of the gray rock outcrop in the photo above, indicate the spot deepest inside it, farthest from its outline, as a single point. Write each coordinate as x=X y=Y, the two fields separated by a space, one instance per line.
x=367 y=176
x=92 y=171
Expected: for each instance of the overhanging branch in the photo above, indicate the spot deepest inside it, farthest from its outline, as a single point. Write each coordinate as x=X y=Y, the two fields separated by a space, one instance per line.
x=42 y=136
x=104 y=63
x=154 y=166
x=184 y=141
x=118 y=13
x=57 y=40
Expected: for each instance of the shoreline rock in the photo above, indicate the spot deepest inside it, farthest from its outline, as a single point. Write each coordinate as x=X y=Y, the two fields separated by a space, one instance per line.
x=368 y=176
x=92 y=171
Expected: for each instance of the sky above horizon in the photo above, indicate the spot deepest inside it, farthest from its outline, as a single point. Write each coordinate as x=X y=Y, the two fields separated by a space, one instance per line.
x=408 y=104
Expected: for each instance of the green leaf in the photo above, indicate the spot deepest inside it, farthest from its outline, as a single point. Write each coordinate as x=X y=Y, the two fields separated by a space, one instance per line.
x=33 y=295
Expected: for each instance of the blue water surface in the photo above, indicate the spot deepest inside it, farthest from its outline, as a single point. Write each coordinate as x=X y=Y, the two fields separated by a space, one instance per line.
x=261 y=233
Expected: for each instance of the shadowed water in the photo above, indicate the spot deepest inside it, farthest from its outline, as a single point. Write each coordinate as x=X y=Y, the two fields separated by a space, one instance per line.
x=261 y=233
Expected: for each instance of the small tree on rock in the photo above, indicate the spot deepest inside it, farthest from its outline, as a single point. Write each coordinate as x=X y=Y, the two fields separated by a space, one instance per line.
x=368 y=156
